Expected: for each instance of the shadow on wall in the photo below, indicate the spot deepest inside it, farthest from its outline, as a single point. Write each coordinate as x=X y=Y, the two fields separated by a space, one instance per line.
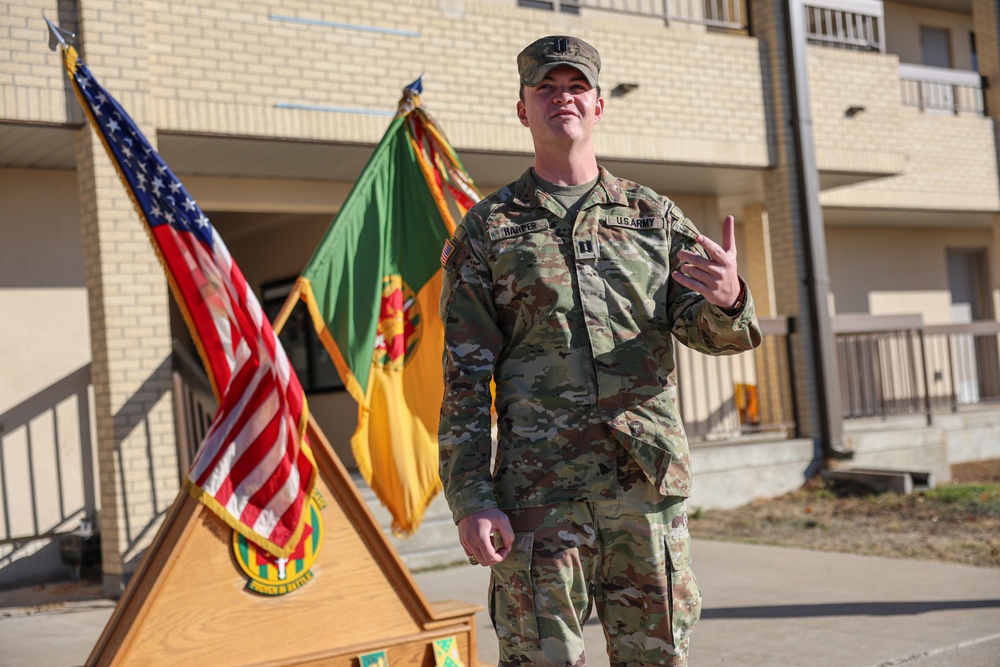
x=47 y=476
x=136 y=522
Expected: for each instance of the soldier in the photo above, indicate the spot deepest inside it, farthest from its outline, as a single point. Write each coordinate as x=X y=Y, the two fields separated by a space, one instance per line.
x=565 y=287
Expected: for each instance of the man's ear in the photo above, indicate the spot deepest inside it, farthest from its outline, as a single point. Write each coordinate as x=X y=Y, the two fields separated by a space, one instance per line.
x=598 y=110
x=522 y=114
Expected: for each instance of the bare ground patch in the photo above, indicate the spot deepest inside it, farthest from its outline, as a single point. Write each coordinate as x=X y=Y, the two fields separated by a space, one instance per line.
x=956 y=522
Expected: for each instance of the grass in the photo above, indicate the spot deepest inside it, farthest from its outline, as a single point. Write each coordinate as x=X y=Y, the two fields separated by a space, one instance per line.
x=967 y=499
x=955 y=522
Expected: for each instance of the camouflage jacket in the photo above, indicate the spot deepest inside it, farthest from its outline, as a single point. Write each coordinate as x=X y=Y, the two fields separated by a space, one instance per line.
x=573 y=322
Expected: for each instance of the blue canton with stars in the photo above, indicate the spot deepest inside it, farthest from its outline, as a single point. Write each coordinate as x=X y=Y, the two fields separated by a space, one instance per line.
x=161 y=196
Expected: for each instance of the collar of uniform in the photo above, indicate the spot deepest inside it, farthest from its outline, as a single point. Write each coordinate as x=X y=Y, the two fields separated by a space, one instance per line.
x=525 y=193
x=608 y=190
x=528 y=194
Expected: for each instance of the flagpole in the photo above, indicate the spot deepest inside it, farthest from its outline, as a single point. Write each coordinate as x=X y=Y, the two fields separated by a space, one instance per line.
x=178 y=230
x=58 y=36
x=409 y=102
x=286 y=309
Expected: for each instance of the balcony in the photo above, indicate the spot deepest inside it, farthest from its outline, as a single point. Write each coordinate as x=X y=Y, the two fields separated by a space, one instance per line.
x=859 y=25
x=718 y=14
x=941 y=89
x=897 y=366
x=856 y=25
x=740 y=396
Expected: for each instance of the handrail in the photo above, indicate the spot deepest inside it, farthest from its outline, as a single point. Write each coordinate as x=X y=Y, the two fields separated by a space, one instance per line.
x=736 y=395
x=872 y=323
x=897 y=365
x=945 y=75
x=194 y=406
x=866 y=7
x=774 y=326
x=941 y=89
x=978 y=328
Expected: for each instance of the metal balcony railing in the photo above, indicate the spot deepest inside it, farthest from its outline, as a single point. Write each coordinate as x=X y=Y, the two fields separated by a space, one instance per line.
x=721 y=14
x=941 y=89
x=880 y=362
x=194 y=406
x=899 y=366
x=963 y=364
x=847 y=24
x=733 y=396
x=720 y=397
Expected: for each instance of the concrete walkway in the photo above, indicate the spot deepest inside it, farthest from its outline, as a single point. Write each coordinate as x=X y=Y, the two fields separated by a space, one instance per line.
x=764 y=607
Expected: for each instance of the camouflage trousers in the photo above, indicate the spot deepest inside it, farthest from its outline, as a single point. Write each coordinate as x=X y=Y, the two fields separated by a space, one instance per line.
x=629 y=557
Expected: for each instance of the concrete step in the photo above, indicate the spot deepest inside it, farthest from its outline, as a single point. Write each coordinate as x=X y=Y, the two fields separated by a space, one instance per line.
x=881 y=480
x=434 y=544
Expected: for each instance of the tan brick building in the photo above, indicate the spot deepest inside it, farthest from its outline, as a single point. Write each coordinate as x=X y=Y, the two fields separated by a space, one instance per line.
x=853 y=140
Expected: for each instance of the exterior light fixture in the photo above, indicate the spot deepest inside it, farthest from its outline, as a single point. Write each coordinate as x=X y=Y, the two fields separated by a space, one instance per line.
x=623 y=89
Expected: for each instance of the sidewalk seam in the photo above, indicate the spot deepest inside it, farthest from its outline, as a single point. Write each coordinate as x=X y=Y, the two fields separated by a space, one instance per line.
x=56 y=608
x=938 y=651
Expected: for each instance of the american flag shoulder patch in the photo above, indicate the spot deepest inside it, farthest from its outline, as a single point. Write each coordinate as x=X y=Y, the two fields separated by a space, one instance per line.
x=448 y=252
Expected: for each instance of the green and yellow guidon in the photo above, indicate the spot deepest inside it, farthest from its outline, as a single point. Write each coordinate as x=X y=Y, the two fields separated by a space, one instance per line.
x=399 y=324
x=278 y=576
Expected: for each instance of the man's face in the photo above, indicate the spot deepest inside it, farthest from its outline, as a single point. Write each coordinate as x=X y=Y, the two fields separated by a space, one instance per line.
x=562 y=108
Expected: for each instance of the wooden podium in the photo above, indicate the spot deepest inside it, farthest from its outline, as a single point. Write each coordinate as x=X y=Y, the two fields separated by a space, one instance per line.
x=189 y=603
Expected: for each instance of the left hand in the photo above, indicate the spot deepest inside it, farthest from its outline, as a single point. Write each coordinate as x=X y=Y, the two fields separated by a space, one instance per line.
x=714 y=278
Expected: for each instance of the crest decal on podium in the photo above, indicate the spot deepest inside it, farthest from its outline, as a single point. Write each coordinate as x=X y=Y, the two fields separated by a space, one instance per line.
x=278 y=576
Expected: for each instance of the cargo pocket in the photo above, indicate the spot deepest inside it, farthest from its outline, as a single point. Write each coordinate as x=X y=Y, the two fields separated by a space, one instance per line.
x=512 y=597
x=685 y=596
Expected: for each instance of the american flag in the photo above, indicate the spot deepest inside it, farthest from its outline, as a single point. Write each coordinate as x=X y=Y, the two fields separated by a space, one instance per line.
x=255 y=468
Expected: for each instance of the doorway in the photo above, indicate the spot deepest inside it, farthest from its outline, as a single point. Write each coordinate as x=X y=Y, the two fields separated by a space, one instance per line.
x=975 y=359
x=935 y=46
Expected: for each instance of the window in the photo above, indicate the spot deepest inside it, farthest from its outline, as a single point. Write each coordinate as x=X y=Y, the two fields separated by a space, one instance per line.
x=567 y=6
x=972 y=49
x=935 y=45
x=311 y=361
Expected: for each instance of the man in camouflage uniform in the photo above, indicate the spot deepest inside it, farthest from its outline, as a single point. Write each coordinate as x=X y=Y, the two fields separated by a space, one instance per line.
x=565 y=288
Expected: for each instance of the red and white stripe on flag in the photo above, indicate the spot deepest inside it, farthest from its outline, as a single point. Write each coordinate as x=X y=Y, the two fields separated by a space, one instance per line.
x=255 y=468
x=250 y=466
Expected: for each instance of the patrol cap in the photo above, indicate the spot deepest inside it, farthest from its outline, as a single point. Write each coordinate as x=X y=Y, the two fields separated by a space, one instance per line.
x=547 y=53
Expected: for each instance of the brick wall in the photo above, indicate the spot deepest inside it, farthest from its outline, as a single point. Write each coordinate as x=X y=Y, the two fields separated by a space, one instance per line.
x=782 y=188
x=223 y=66
x=986 y=17
x=951 y=165
x=129 y=317
x=871 y=141
x=33 y=84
